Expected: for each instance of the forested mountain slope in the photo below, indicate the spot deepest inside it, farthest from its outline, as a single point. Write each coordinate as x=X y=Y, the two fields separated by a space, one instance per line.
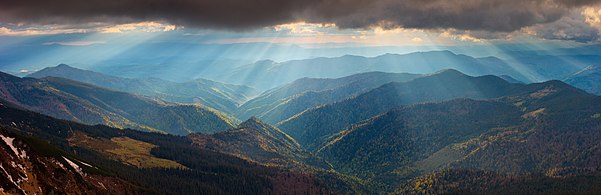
x=540 y=132
x=72 y=100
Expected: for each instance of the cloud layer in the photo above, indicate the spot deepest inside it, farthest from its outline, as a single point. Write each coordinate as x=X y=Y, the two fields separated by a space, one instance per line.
x=574 y=27
x=480 y=15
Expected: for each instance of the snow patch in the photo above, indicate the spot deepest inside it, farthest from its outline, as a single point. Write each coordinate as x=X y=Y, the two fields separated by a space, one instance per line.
x=15 y=165
x=60 y=164
x=102 y=185
x=9 y=141
x=86 y=164
x=11 y=179
x=7 y=174
x=75 y=166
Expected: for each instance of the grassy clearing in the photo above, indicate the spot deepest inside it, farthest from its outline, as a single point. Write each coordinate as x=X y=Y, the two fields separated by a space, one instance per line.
x=126 y=150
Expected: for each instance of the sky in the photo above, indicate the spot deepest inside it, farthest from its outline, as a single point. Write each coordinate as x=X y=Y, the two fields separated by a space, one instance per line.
x=39 y=33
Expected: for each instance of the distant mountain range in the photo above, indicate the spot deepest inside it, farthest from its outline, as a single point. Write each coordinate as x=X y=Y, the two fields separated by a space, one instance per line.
x=195 y=60
x=522 y=66
x=268 y=74
x=224 y=97
x=81 y=102
x=286 y=101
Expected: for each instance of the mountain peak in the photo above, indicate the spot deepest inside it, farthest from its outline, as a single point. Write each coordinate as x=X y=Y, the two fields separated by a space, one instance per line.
x=252 y=123
x=61 y=70
x=449 y=72
x=254 y=119
x=63 y=66
x=560 y=85
x=259 y=142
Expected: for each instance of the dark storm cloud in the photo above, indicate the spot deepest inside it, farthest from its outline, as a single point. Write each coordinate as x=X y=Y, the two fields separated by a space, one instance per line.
x=487 y=15
x=570 y=27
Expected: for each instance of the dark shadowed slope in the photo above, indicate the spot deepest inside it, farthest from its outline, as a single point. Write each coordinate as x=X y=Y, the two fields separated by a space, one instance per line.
x=550 y=130
x=72 y=100
x=559 y=144
x=403 y=136
x=224 y=97
x=158 y=163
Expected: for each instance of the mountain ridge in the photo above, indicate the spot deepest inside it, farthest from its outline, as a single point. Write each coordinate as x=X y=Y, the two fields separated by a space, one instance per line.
x=72 y=100
x=220 y=96
x=273 y=74
x=283 y=102
x=259 y=142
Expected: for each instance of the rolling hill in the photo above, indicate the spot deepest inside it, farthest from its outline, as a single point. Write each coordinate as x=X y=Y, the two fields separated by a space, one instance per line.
x=220 y=96
x=72 y=100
